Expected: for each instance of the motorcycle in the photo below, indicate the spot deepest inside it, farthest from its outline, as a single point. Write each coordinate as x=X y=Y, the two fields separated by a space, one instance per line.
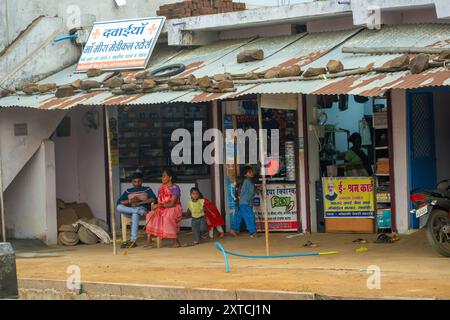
x=436 y=204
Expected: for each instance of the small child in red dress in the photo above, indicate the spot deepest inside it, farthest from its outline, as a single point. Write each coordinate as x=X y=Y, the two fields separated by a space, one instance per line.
x=214 y=219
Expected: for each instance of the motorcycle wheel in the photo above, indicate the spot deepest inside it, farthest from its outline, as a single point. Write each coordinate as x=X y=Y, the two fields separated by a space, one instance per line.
x=437 y=220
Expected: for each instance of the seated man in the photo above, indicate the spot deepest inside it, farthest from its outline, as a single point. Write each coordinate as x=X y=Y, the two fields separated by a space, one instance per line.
x=135 y=202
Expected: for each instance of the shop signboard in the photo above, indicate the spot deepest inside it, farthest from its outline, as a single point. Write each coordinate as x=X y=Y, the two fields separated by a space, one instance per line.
x=281 y=206
x=350 y=197
x=121 y=44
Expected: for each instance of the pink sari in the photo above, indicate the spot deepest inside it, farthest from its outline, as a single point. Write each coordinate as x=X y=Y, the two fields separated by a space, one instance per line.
x=165 y=222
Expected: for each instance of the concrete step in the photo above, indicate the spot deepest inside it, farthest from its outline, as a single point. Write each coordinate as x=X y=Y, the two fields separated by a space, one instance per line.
x=31 y=289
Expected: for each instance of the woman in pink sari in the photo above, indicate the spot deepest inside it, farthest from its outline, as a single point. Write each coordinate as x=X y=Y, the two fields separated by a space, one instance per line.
x=165 y=217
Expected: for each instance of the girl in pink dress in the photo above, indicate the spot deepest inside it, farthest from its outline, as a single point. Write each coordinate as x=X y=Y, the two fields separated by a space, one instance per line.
x=165 y=217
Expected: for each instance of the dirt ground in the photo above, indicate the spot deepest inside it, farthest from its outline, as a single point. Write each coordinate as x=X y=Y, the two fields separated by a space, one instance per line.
x=409 y=268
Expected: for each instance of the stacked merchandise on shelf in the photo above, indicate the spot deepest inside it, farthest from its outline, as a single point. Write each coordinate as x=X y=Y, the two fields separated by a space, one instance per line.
x=290 y=160
x=383 y=166
x=145 y=139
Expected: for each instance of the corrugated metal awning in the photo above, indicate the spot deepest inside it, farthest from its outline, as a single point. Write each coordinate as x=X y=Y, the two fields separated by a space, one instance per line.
x=367 y=85
x=306 y=50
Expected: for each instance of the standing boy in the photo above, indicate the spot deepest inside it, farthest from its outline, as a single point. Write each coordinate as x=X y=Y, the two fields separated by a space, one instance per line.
x=245 y=211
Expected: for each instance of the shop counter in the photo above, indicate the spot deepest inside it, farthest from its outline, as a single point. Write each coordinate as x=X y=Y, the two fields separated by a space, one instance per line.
x=349 y=204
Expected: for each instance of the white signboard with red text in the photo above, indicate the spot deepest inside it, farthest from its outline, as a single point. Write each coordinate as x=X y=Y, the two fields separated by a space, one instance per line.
x=122 y=44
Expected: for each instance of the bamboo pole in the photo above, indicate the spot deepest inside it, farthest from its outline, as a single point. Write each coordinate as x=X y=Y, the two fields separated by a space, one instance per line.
x=393 y=50
x=262 y=158
x=111 y=191
x=353 y=72
x=2 y=202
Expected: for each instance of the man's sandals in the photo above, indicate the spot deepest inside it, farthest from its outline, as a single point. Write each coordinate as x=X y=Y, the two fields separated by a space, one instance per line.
x=128 y=244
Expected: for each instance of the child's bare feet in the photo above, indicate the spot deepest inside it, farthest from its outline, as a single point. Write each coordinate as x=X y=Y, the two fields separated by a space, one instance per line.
x=149 y=243
x=233 y=233
x=254 y=235
x=221 y=235
x=176 y=243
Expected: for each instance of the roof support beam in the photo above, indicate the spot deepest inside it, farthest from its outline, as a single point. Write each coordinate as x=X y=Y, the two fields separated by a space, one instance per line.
x=442 y=8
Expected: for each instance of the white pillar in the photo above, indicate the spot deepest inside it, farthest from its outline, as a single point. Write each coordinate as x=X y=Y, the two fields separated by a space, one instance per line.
x=313 y=159
x=217 y=187
x=401 y=167
x=50 y=192
x=302 y=165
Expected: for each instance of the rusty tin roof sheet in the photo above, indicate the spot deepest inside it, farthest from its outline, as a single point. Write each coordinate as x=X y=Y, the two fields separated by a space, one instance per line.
x=306 y=50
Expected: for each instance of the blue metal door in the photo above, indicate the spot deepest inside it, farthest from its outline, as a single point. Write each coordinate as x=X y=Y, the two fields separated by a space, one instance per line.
x=422 y=148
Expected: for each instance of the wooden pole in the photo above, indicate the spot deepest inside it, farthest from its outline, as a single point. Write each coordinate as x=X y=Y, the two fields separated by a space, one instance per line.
x=393 y=50
x=262 y=158
x=2 y=202
x=111 y=193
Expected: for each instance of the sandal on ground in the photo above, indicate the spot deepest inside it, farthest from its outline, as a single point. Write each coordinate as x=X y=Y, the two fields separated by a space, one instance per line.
x=360 y=240
x=310 y=244
x=125 y=244
x=384 y=238
x=131 y=245
x=185 y=245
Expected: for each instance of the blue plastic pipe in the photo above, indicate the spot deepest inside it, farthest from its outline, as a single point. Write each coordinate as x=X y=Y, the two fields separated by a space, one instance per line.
x=226 y=253
x=66 y=37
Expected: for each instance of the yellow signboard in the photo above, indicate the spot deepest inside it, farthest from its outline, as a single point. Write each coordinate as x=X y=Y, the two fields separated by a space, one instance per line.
x=348 y=197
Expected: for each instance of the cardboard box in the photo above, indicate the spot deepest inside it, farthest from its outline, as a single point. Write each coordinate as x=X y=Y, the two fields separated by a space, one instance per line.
x=82 y=210
x=66 y=216
x=349 y=225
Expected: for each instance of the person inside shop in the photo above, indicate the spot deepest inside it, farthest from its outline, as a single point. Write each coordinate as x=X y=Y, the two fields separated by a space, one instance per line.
x=164 y=221
x=135 y=202
x=356 y=156
x=245 y=211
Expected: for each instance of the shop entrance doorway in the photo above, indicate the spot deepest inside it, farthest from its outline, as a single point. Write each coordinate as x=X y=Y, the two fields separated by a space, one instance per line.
x=428 y=134
x=422 y=141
